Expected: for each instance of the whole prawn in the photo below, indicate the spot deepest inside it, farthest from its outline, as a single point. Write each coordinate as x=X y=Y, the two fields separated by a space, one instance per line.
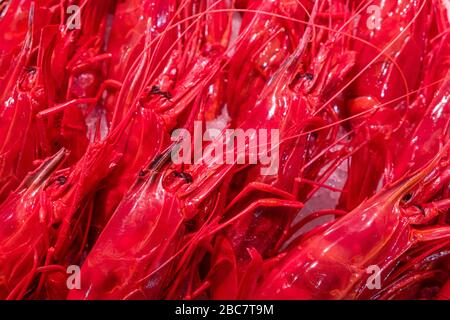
x=22 y=98
x=23 y=231
x=333 y=264
x=156 y=115
x=156 y=224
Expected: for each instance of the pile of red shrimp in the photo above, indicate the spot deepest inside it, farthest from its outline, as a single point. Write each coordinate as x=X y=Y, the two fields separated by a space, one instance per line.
x=94 y=206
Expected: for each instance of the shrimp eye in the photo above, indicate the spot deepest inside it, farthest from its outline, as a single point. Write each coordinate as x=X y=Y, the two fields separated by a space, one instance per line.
x=155 y=90
x=188 y=178
x=142 y=173
x=62 y=180
x=406 y=198
x=183 y=175
x=309 y=76
x=31 y=70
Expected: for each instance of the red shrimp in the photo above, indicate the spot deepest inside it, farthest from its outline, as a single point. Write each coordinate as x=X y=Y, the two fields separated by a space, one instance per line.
x=18 y=128
x=137 y=148
x=164 y=105
x=78 y=63
x=333 y=264
x=383 y=85
x=136 y=16
x=62 y=202
x=436 y=115
x=71 y=203
x=384 y=80
x=14 y=23
x=34 y=90
x=172 y=52
x=185 y=39
x=23 y=231
x=421 y=271
x=67 y=200
x=144 y=232
x=300 y=119
x=22 y=142
x=149 y=210
x=146 y=22
x=264 y=41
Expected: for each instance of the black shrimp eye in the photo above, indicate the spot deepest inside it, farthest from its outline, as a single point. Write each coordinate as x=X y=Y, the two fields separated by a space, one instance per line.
x=177 y=174
x=62 y=180
x=309 y=76
x=407 y=197
x=155 y=90
x=142 y=173
x=188 y=178
x=31 y=70
x=183 y=175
